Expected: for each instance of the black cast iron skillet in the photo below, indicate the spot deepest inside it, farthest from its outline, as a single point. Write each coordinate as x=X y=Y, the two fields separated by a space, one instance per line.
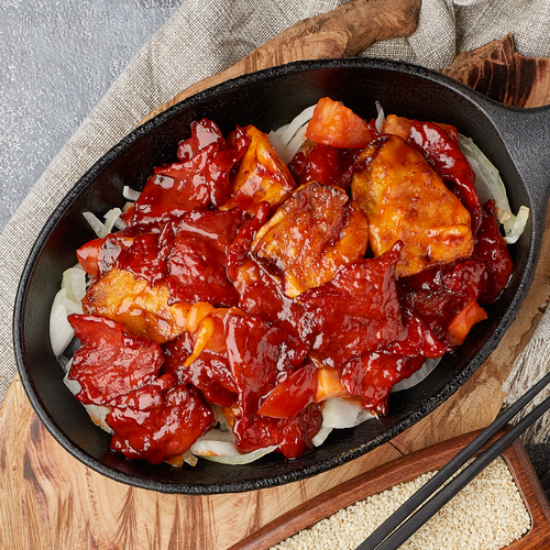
x=517 y=142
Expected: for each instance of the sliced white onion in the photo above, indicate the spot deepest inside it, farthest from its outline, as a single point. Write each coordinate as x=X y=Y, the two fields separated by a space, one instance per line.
x=111 y=217
x=301 y=120
x=71 y=306
x=73 y=385
x=417 y=377
x=61 y=332
x=514 y=226
x=281 y=130
x=380 y=119
x=275 y=140
x=489 y=185
x=321 y=436
x=130 y=194
x=74 y=280
x=217 y=434
x=295 y=144
x=95 y=222
x=225 y=452
x=103 y=229
x=344 y=413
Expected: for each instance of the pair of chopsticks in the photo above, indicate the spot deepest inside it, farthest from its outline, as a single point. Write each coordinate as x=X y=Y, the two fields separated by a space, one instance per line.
x=404 y=522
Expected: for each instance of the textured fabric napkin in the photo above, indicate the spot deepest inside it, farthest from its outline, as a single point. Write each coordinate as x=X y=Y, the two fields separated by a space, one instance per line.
x=205 y=37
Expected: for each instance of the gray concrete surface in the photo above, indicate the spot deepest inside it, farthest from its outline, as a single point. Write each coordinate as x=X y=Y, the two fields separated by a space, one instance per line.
x=57 y=59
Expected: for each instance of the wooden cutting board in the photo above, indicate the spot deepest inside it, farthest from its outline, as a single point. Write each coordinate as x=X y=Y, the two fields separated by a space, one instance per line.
x=49 y=500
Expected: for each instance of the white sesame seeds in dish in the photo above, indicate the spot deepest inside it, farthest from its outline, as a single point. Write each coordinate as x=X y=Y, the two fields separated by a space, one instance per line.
x=488 y=514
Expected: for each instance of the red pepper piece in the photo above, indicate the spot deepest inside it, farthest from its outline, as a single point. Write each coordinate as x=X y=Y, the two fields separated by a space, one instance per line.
x=461 y=325
x=373 y=375
x=113 y=245
x=292 y=394
x=98 y=256
x=203 y=133
x=88 y=256
x=450 y=163
x=491 y=249
x=161 y=432
x=111 y=362
x=357 y=312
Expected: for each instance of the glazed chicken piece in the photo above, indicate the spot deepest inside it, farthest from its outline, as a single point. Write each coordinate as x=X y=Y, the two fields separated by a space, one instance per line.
x=261 y=175
x=311 y=236
x=131 y=301
x=405 y=199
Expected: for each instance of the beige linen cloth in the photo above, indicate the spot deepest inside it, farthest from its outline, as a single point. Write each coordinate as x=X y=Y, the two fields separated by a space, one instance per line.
x=206 y=36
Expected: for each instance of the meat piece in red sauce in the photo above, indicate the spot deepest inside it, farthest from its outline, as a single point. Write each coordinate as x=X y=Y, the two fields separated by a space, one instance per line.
x=357 y=312
x=197 y=263
x=162 y=431
x=200 y=179
x=204 y=132
x=261 y=356
x=173 y=190
x=239 y=250
x=292 y=436
x=209 y=373
x=440 y=293
x=111 y=362
x=372 y=376
x=147 y=255
x=262 y=293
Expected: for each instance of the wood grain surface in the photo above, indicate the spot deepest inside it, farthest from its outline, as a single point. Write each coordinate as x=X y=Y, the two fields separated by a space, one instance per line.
x=49 y=500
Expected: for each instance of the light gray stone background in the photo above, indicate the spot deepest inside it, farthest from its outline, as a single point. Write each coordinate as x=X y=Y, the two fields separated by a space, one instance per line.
x=57 y=60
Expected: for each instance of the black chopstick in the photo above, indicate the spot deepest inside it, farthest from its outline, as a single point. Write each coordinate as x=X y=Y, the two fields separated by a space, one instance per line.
x=397 y=528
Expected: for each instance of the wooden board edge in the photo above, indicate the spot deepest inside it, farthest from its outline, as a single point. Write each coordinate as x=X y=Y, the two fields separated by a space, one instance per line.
x=533 y=496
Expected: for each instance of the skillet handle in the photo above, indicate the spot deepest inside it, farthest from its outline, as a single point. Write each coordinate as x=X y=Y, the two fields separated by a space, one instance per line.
x=526 y=135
